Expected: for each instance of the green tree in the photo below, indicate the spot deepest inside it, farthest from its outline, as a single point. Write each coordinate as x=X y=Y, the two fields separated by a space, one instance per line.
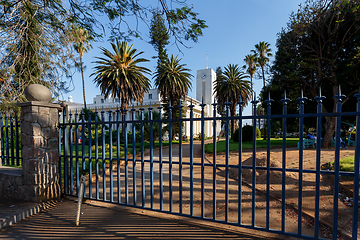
x=34 y=42
x=173 y=81
x=319 y=48
x=34 y=47
x=232 y=86
x=155 y=125
x=159 y=36
x=118 y=74
x=251 y=65
x=81 y=43
x=264 y=52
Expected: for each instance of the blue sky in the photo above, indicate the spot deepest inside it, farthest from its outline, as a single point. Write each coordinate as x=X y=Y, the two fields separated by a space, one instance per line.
x=234 y=27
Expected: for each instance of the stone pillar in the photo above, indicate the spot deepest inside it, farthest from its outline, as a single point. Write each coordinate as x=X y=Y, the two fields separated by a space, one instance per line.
x=40 y=140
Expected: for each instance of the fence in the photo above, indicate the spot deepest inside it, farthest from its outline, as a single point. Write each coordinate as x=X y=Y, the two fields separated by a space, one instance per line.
x=182 y=179
x=10 y=140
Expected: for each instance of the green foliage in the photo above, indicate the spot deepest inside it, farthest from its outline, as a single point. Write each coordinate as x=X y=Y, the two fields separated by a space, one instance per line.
x=146 y=125
x=231 y=86
x=119 y=75
x=251 y=65
x=88 y=113
x=82 y=43
x=234 y=146
x=346 y=164
x=35 y=48
x=173 y=81
x=318 y=49
x=159 y=36
x=247 y=134
x=36 y=37
x=264 y=52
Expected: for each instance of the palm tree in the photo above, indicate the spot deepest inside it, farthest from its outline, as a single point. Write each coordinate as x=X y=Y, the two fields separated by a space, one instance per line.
x=81 y=39
x=264 y=53
x=251 y=65
x=231 y=86
x=119 y=75
x=173 y=81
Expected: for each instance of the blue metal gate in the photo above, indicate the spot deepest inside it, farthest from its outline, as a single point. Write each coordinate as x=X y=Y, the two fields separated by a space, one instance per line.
x=10 y=149
x=126 y=166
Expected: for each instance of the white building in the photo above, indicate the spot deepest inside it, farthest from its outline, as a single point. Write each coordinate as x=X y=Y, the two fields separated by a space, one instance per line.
x=205 y=79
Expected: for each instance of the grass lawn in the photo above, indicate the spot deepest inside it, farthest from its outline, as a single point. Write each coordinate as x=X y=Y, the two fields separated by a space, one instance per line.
x=346 y=164
x=260 y=143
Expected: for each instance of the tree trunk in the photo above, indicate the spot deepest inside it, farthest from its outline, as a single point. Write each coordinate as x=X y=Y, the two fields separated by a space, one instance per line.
x=330 y=123
x=265 y=132
x=232 y=114
x=83 y=81
x=329 y=131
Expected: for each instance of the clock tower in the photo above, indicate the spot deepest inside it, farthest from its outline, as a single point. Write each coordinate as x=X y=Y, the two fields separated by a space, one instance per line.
x=205 y=80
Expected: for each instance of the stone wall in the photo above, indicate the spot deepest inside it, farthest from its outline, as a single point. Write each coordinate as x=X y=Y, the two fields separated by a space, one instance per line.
x=38 y=180
x=40 y=139
x=12 y=185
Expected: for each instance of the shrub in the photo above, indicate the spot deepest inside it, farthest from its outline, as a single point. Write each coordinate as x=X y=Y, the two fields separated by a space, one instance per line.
x=247 y=134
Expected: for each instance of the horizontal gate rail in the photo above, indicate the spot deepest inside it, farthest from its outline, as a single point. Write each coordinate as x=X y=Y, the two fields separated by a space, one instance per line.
x=182 y=180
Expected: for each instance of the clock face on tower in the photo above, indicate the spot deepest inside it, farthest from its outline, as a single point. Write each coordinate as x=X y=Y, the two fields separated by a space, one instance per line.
x=203 y=76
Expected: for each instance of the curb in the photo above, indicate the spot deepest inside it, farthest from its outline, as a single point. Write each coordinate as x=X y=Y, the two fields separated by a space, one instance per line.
x=24 y=213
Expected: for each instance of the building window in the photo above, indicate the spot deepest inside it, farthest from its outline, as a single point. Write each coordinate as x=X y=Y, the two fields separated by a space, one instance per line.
x=150 y=96
x=95 y=102
x=116 y=100
x=102 y=100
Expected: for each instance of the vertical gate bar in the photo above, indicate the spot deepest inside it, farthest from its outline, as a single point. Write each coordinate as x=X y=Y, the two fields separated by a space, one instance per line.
x=17 y=140
x=240 y=104
x=253 y=190
x=283 y=189
x=151 y=158
x=191 y=106
x=227 y=104
x=7 y=139
x=12 y=140
x=338 y=98
x=118 y=152
x=61 y=128
x=83 y=140
x=126 y=157
x=180 y=157
x=356 y=171
x=90 y=154
x=2 y=138
x=65 y=155
x=319 y=100
x=83 y=152
x=96 y=155
x=71 y=154
x=142 y=157
x=214 y=158
x=111 y=158
x=103 y=152
x=77 y=175
x=160 y=159
x=202 y=159
x=268 y=122
x=170 y=159
x=134 y=154
x=301 y=100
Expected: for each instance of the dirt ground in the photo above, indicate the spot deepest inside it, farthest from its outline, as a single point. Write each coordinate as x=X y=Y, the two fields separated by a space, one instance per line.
x=292 y=182
x=183 y=191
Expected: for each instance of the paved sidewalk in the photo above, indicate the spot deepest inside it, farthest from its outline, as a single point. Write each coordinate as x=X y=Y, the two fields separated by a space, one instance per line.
x=110 y=221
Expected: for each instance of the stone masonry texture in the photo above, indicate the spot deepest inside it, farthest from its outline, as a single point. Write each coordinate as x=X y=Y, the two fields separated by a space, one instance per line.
x=39 y=137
